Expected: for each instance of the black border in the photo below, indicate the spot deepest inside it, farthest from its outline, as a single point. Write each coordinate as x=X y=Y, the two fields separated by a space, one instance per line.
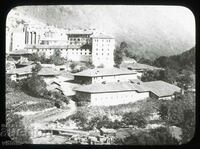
x=9 y=4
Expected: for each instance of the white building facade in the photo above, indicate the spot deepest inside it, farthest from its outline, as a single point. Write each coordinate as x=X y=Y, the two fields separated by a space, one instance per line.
x=103 y=51
x=116 y=98
x=75 y=45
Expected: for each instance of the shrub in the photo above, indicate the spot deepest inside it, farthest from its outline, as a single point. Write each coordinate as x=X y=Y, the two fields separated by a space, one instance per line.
x=80 y=119
x=180 y=112
x=15 y=128
x=134 y=118
x=159 y=136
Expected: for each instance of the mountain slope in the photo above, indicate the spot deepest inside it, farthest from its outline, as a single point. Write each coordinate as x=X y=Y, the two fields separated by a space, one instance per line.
x=149 y=31
x=184 y=61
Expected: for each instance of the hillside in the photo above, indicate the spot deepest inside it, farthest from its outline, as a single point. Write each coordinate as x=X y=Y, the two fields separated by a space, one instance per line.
x=184 y=61
x=149 y=32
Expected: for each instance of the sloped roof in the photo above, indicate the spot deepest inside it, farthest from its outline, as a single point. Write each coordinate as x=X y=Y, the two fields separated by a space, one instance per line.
x=66 y=74
x=74 y=46
x=112 y=87
x=129 y=59
x=48 y=72
x=161 y=88
x=23 y=70
x=19 y=52
x=138 y=66
x=104 y=72
x=101 y=36
x=79 y=32
x=26 y=63
x=46 y=46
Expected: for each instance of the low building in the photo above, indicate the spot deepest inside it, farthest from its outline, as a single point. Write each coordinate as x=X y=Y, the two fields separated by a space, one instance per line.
x=20 y=73
x=161 y=89
x=129 y=60
x=140 y=68
x=19 y=55
x=103 y=75
x=48 y=74
x=24 y=64
x=113 y=93
x=10 y=65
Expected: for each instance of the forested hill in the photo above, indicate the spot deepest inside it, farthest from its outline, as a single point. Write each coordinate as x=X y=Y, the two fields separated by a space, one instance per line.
x=184 y=61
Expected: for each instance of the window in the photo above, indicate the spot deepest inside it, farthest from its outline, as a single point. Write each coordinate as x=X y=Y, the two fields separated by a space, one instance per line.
x=96 y=53
x=102 y=53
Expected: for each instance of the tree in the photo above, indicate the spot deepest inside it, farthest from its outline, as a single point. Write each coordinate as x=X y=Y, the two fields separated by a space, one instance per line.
x=35 y=83
x=95 y=122
x=56 y=58
x=80 y=119
x=72 y=65
x=15 y=128
x=134 y=118
x=118 y=57
x=34 y=57
x=158 y=136
x=119 y=53
x=145 y=61
x=181 y=113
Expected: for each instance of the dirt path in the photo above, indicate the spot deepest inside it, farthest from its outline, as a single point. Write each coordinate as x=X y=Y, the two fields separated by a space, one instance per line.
x=41 y=118
x=51 y=114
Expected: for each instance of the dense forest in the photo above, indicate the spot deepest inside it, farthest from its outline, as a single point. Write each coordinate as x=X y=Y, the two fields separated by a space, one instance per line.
x=184 y=61
x=179 y=69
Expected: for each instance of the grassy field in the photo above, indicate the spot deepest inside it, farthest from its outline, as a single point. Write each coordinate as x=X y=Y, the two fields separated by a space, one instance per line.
x=19 y=101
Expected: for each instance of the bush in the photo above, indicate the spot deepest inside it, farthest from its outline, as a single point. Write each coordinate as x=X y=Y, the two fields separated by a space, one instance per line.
x=159 y=136
x=134 y=118
x=180 y=112
x=80 y=119
x=15 y=128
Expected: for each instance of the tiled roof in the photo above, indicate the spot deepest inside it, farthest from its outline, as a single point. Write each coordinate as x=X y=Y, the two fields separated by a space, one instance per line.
x=161 y=88
x=74 y=46
x=104 y=72
x=46 y=46
x=79 y=32
x=47 y=65
x=138 y=66
x=23 y=70
x=112 y=87
x=66 y=74
x=54 y=46
x=26 y=63
x=48 y=72
x=101 y=36
x=19 y=52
